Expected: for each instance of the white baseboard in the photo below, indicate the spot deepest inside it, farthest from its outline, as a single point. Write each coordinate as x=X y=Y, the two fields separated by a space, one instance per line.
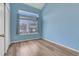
x=23 y=40
x=51 y=42
x=62 y=45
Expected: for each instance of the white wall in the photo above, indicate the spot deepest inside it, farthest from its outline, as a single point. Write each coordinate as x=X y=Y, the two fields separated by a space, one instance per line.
x=1 y=29
x=1 y=18
x=7 y=27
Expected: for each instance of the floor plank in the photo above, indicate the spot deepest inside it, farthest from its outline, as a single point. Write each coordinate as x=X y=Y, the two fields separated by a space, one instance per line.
x=38 y=47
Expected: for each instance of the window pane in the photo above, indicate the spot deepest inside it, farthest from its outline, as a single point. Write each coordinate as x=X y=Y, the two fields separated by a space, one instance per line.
x=27 y=24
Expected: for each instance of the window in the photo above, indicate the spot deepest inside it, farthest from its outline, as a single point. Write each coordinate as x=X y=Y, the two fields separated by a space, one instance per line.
x=28 y=23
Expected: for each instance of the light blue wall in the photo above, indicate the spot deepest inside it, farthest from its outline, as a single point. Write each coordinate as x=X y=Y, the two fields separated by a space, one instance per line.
x=61 y=24
x=14 y=20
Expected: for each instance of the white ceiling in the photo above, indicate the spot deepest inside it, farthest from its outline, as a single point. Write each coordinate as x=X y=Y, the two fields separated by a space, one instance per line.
x=37 y=5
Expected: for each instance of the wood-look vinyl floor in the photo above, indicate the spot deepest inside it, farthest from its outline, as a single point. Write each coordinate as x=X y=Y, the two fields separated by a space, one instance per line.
x=38 y=47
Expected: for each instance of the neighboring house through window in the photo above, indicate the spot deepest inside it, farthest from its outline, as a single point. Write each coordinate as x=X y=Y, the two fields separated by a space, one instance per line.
x=28 y=23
